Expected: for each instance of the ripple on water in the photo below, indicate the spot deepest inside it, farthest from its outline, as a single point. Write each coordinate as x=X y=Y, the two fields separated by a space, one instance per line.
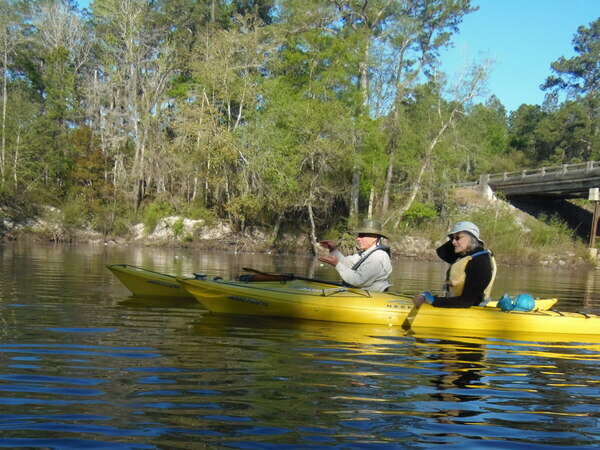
x=84 y=365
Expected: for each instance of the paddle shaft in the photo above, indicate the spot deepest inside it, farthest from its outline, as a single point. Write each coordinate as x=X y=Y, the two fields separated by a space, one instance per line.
x=290 y=277
x=407 y=324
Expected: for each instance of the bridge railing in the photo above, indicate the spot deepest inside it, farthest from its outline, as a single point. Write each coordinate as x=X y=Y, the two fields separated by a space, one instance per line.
x=565 y=169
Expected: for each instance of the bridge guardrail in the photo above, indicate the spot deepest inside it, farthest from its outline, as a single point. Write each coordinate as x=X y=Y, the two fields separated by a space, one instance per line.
x=554 y=171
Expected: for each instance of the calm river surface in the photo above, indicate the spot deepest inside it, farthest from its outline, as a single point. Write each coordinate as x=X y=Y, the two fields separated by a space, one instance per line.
x=85 y=365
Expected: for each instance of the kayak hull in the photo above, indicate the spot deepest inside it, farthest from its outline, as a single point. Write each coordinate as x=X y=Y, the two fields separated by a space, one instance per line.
x=303 y=299
x=492 y=319
x=314 y=301
x=147 y=283
x=300 y=300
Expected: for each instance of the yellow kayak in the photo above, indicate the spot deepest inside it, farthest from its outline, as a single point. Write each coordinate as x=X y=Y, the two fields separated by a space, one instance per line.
x=316 y=301
x=147 y=283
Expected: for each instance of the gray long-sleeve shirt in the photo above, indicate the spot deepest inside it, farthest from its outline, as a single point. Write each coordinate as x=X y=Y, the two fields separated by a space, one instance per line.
x=373 y=274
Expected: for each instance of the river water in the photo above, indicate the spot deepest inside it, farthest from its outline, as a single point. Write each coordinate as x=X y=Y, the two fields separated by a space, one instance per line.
x=85 y=365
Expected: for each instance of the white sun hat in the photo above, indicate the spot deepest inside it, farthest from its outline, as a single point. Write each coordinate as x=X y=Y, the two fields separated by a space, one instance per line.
x=467 y=226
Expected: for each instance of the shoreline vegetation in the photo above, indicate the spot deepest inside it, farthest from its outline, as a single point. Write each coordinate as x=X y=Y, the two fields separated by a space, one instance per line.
x=515 y=237
x=262 y=126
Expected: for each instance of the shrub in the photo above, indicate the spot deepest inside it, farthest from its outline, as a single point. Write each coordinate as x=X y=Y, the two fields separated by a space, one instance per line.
x=519 y=237
x=199 y=212
x=178 y=228
x=153 y=213
x=418 y=212
x=75 y=214
x=121 y=226
x=550 y=232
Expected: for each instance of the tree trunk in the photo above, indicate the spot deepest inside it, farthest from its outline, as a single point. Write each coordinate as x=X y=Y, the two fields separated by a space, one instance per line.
x=363 y=69
x=313 y=231
x=354 y=193
x=371 y=200
x=16 y=161
x=385 y=201
x=276 y=228
x=4 y=101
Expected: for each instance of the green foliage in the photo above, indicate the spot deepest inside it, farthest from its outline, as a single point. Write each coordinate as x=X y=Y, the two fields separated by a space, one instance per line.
x=257 y=112
x=521 y=239
x=485 y=132
x=197 y=211
x=75 y=214
x=579 y=75
x=121 y=227
x=153 y=213
x=418 y=213
x=244 y=210
x=178 y=228
x=551 y=232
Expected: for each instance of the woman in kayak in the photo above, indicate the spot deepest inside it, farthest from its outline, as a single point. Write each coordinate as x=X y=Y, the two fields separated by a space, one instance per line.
x=371 y=267
x=472 y=270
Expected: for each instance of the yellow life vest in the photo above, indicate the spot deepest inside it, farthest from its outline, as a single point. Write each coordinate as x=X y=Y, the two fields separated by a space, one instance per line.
x=456 y=276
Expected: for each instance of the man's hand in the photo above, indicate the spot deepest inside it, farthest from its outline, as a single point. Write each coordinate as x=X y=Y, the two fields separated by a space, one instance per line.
x=329 y=245
x=329 y=259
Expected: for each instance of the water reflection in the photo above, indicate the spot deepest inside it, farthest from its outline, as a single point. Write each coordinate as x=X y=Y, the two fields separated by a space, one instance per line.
x=590 y=291
x=84 y=364
x=461 y=365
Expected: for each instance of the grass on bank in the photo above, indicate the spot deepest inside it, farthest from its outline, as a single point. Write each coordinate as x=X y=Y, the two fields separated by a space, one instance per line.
x=514 y=236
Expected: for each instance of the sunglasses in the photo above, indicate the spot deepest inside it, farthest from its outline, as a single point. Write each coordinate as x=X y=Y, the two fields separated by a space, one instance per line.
x=362 y=235
x=457 y=237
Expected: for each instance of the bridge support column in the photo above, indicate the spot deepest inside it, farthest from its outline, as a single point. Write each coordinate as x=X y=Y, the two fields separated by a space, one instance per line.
x=594 y=195
x=595 y=220
x=484 y=188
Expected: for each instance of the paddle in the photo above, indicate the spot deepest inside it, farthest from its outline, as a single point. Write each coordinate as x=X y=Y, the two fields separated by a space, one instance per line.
x=407 y=324
x=287 y=277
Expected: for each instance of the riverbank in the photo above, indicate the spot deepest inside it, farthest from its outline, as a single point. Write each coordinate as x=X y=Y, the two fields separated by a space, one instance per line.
x=515 y=237
x=215 y=237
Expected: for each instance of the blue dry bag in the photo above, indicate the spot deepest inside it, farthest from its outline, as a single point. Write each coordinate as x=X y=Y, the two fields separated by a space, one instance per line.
x=522 y=302
x=505 y=303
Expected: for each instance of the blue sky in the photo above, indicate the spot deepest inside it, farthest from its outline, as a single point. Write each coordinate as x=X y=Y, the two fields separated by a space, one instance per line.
x=522 y=37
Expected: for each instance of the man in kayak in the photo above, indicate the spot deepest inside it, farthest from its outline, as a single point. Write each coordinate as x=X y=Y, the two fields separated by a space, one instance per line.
x=472 y=270
x=371 y=267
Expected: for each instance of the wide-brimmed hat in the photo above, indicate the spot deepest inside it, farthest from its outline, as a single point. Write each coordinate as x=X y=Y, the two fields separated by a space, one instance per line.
x=370 y=227
x=469 y=227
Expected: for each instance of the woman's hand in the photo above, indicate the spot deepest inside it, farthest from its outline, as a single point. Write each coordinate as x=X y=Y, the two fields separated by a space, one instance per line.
x=423 y=297
x=418 y=299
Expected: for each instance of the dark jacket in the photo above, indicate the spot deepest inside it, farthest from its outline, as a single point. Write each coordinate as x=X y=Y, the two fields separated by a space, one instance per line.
x=479 y=272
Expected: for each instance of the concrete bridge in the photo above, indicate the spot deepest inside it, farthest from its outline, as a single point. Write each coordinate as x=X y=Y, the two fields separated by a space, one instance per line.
x=546 y=190
x=559 y=182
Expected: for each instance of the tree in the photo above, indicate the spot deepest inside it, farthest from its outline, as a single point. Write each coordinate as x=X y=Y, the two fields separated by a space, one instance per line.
x=579 y=78
x=415 y=37
x=429 y=116
x=11 y=35
x=51 y=56
x=387 y=45
x=130 y=84
x=484 y=131
x=221 y=97
x=23 y=165
x=522 y=125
